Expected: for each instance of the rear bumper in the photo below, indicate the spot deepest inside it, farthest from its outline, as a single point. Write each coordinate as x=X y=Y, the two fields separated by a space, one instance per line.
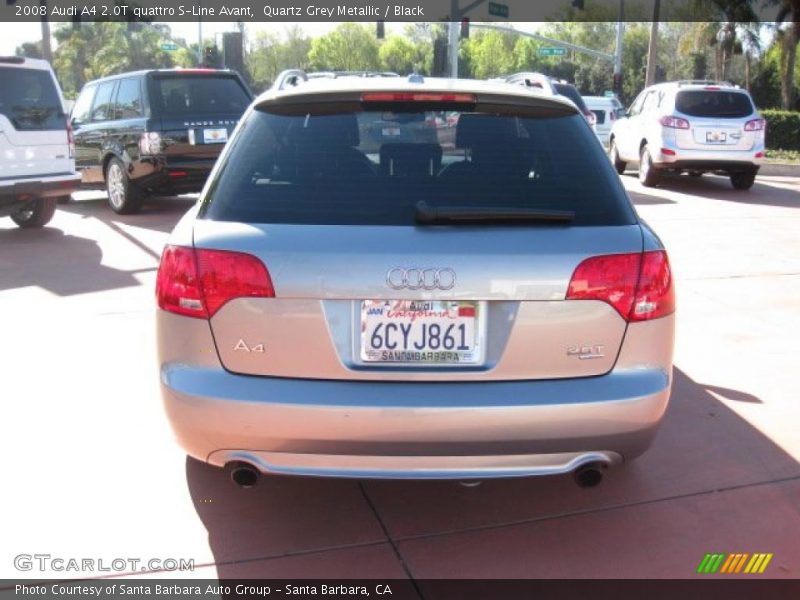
x=413 y=430
x=15 y=194
x=416 y=430
x=171 y=175
x=730 y=161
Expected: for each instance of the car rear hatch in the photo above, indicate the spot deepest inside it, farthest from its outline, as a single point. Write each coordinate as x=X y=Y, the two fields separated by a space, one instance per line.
x=33 y=130
x=717 y=119
x=196 y=110
x=320 y=260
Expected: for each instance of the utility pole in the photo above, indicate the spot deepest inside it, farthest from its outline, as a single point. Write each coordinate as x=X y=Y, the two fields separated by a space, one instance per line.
x=652 y=49
x=452 y=38
x=47 y=49
x=199 y=36
x=618 y=48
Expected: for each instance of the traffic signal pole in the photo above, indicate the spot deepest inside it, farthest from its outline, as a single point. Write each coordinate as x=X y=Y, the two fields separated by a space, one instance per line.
x=452 y=45
x=618 y=49
x=456 y=14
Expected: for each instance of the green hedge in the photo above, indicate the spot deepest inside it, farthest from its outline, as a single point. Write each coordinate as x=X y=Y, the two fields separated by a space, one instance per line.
x=783 y=129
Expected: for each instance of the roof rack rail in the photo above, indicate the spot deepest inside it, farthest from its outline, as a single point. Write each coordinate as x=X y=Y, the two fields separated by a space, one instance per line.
x=293 y=77
x=289 y=78
x=705 y=82
x=337 y=74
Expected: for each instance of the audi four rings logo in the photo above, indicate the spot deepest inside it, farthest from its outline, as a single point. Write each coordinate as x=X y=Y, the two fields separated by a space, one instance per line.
x=421 y=279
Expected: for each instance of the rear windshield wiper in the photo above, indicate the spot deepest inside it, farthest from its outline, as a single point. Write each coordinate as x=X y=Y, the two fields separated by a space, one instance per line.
x=429 y=215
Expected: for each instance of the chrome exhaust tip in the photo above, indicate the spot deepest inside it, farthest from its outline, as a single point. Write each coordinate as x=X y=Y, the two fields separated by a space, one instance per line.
x=244 y=475
x=588 y=476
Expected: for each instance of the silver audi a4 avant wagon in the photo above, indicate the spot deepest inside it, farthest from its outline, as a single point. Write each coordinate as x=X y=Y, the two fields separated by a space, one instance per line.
x=406 y=278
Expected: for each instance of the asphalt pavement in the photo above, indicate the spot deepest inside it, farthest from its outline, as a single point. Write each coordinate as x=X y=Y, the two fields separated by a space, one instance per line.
x=91 y=469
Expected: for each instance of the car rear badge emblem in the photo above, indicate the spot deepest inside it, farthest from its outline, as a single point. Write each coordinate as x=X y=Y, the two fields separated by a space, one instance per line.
x=242 y=346
x=586 y=352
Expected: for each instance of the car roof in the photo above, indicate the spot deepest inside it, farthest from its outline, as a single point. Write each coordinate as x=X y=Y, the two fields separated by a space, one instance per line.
x=697 y=85
x=320 y=85
x=23 y=62
x=177 y=71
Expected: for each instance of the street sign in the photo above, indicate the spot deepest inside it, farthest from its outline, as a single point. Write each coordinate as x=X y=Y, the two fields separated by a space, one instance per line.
x=552 y=51
x=169 y=46
x=498 y=10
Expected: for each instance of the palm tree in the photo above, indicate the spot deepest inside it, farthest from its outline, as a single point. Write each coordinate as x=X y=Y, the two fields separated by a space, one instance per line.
x=789 y=13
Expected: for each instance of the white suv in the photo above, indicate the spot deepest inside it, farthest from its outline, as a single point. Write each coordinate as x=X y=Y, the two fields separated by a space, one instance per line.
x=694 y=126
x=38 y=164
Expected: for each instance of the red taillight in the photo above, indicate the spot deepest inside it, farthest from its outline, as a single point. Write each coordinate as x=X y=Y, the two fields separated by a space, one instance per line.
x=755 y=125
x=178 y=173
x=197 y=283
x=674 y=122
x=667 y=152
x=416 y=97
x=713 y=88
x=759 y=154
x=638 y=286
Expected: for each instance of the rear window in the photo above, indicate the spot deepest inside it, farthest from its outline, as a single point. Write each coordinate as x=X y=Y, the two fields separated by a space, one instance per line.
x=708 y=103
x=373 y=167
x=195 y=95
x=29 y=99
x=600 y=115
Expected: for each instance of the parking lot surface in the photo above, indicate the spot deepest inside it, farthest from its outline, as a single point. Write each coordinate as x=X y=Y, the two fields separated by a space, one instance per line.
x=92 y=470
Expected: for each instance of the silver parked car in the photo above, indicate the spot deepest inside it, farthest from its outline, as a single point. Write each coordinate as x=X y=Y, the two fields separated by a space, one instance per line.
x=398 y=306
x=690 y=126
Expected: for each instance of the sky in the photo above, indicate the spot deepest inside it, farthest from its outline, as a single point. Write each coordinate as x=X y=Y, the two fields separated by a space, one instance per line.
x=14 y=34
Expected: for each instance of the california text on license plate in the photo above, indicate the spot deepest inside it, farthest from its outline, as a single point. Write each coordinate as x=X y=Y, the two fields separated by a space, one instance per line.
x=420 y=332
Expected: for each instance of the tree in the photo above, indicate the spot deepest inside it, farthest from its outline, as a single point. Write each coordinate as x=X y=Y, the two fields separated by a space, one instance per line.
x=349 y=47
x=105 y=48
x=490 y=54
x=30 y=50
x=270 y=53
x=400 y=55
x=790 y=37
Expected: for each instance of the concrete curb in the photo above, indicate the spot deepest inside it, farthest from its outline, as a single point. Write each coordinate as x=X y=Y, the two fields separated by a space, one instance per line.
x=780 y=169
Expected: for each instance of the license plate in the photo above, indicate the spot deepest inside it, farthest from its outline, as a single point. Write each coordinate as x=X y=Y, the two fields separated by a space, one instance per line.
x=215 y=136
x=423 y=332
x=716 y=137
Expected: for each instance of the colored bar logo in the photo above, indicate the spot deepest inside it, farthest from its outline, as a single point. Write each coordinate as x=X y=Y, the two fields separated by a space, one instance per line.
x=734 y=563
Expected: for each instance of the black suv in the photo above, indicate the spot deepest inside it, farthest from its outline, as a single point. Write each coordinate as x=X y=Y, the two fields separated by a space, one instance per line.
x=154 y=132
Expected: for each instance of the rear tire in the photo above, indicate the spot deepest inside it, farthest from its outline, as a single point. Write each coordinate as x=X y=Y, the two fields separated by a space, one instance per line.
x=64 y=199
x=743 y=181
x=124 y=197
x=648 y=175
x=38 y=215
x=613 y=154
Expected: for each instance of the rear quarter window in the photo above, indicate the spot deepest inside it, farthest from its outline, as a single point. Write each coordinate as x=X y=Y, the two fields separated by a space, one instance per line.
x=717 y=104
x=29 y=100
x=373 y=167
